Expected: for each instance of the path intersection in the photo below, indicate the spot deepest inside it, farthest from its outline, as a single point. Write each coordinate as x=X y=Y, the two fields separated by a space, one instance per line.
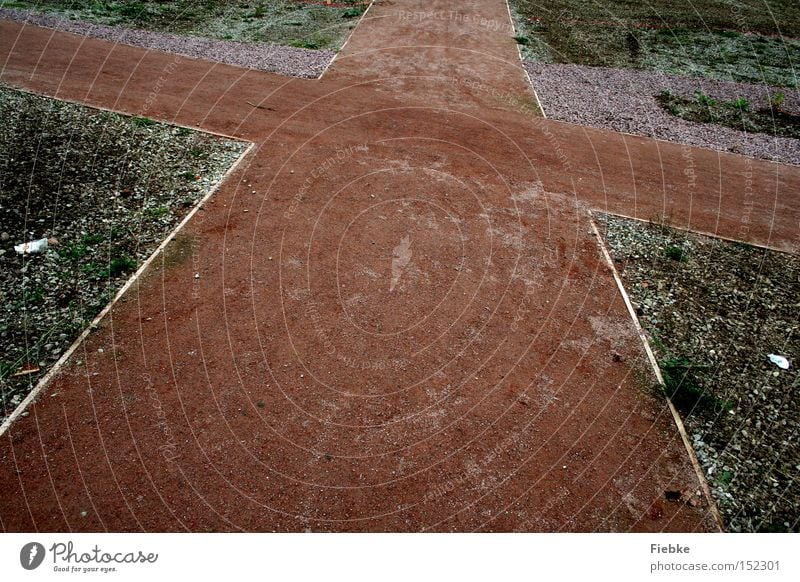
x=403 y=319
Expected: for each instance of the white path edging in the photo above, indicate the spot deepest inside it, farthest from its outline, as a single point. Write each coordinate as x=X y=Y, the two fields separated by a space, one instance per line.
x=349 y=36
x=522 y=62
x=45 y=380
x=766 y=247
x=712 y=505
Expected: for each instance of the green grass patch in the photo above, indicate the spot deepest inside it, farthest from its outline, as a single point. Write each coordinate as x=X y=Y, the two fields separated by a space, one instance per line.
x=710 y=38
x=676 y=253
x=276 y=21
x=142 y=121
x=114 y=268
x=682 y=387
x=736 y=114
x=725 y=478
x=158 y=211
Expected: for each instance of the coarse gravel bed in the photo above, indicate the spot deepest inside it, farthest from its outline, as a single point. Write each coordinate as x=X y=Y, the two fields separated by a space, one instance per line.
x=286 y=60
x=625 y=100
x=108 y=188
x=714 y=311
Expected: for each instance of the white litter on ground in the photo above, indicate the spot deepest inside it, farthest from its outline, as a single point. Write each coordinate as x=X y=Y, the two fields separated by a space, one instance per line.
x=779 y=361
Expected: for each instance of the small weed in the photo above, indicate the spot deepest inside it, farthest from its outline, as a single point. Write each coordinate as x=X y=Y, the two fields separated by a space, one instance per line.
x=188 y=176
x=655 y=339
x=142 y=121
x=634 y=46
x=777 y=100
x=351 y=13
x=117 y=266
x=680 y=384
x=97 y=306
x=523 y=40
x=92 y=239
x=36 y=295
x=74 y=251
x=79 y=250
x=307 y=44
x=704 y=99
x=741 y=104
x=676 y=253
x=157 y=212
x=118 y=232
x=92 y=270
x=682 y=388
x=725 y=478
x=7 y=368
x=133 y=10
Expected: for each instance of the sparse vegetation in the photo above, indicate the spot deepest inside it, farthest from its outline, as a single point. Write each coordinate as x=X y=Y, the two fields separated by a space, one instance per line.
x=712 y=321
x=756 y=42
x=736 y=114
x=681 y=386
x=675 y=252
x=305 y=24
x=704 y=100
x=142 y=121
x=108 y=188
x=741 y=104
x=777 y=99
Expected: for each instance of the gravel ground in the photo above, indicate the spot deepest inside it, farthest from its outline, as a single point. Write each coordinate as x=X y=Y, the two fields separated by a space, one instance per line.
x=624 y=100
x=741 y=411
x=296 y=62
x=108 y=188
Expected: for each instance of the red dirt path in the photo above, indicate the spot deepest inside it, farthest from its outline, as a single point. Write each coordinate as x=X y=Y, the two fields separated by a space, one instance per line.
x=320 y=376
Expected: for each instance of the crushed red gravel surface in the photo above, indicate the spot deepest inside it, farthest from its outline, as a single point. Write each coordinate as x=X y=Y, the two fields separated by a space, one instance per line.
x=402 y=322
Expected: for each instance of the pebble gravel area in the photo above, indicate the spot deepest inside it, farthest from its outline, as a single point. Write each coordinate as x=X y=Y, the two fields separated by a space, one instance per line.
x=714 y=311
x=625 y=100
x=106 y=189
x=286 y=60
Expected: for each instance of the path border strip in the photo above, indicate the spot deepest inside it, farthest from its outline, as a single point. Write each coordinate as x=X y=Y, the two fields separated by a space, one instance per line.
x=712 y=505
x=700 y=233
x=522 y=62
x=347 y=40
x=44 y=381
x=126 y=113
